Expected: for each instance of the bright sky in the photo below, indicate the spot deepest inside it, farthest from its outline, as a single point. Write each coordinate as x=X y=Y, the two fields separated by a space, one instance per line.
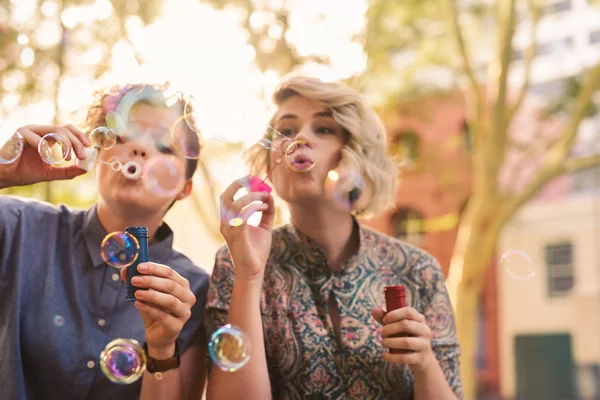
x=203 y=52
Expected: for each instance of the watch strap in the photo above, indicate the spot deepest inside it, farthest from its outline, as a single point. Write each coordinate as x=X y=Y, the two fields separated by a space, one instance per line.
x=153 y=365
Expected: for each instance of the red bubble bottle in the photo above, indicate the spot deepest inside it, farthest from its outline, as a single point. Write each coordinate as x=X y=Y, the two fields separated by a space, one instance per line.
x=395 y=297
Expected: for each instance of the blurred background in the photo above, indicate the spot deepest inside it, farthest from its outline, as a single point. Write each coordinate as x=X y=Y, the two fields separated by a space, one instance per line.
x=491 y=108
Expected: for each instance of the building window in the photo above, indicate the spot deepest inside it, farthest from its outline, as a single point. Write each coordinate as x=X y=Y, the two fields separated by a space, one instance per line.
x=585 y=180
x=588 y=381
x=595 y=37
x=408 y=225
x=405 y=146
x=555 y=46
x=557 y=7
x=559 y=262
x=551 y=88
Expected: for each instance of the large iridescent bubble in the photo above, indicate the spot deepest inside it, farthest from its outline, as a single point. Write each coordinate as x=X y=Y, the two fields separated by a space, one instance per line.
x=123 y=361
x=229 y=348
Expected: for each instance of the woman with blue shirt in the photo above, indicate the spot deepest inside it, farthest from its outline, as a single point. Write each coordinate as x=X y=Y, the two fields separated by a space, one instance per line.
x=51 y=267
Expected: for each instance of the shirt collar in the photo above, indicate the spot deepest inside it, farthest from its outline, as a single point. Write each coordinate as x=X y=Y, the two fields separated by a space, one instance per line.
x=315 y=255
x=93 y=231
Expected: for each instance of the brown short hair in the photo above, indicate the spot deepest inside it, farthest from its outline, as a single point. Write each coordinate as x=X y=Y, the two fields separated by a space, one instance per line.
x=107 y=99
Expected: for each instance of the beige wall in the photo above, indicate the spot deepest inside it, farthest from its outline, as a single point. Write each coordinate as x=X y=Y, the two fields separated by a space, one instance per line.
x=524 y=306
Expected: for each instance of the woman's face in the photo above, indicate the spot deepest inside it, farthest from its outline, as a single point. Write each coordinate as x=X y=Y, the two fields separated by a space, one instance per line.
x=146 y=140
x=301 y=119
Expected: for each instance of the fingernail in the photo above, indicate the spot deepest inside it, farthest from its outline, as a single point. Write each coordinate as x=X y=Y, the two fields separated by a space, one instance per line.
x=136 y=280
x=143 y=267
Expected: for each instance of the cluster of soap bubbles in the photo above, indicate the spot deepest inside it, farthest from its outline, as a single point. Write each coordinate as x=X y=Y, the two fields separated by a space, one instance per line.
x=123 y=361
x=119 y=249
x=53 y=148
x=160 y=174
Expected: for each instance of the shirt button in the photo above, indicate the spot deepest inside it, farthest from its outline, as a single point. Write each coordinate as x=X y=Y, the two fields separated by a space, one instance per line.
x=101 y=322
x=115 y=277
x=91 y=364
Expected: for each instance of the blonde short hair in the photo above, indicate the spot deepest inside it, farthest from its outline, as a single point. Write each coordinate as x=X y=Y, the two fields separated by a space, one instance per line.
x=364 y=154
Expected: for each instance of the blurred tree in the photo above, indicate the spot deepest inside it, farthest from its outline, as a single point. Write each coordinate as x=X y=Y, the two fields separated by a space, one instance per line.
x=267 y=23
x=42 y=43
x=446 y=44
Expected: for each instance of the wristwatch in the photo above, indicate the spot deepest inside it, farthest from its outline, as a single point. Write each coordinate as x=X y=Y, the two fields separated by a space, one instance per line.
x=153 y=365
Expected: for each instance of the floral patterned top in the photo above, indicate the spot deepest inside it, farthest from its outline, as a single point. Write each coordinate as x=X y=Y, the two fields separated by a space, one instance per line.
x=303 y=355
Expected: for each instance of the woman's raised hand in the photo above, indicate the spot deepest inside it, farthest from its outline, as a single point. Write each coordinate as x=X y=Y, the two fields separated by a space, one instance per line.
x=249 y=245
x=29 y=168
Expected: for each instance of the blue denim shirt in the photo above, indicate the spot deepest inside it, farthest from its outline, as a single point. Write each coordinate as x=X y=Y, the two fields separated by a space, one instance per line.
x=60 y=304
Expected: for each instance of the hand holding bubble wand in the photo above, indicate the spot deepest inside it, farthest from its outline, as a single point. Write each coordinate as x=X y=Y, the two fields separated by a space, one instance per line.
x=298 y=157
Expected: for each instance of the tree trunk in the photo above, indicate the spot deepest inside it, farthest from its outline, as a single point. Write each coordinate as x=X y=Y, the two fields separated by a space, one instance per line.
x=474 y=250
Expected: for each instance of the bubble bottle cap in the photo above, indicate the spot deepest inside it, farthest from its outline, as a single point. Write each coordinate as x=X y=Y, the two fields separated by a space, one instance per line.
x=395 y=297
x=399 y=290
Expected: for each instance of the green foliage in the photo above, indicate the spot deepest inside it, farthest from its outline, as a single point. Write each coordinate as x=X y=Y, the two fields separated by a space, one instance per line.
x=563 y=104
x=409 y=48
x=273 y=52
x=67 y=38
x=78 y=193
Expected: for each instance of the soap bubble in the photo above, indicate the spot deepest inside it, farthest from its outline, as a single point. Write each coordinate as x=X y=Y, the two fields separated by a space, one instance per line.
x=185 y=140
x=103 y=137
x=163 y=177
x=518 y=264
x=54 y=148
x=132 y=170
x=115 y=123
x=123 y=361
x=59 y=320
x=299 y=157
x=115 y=164
x=229 y=348
x=119 y=249
x=344 y=188
x=274 y=140
x=190 y=114
x=11 y=148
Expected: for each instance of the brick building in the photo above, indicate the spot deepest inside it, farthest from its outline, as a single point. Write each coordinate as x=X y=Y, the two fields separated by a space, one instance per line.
x=430 y=139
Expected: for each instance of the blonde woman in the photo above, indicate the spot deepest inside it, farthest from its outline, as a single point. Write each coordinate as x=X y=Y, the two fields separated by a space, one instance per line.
x=310 y=294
